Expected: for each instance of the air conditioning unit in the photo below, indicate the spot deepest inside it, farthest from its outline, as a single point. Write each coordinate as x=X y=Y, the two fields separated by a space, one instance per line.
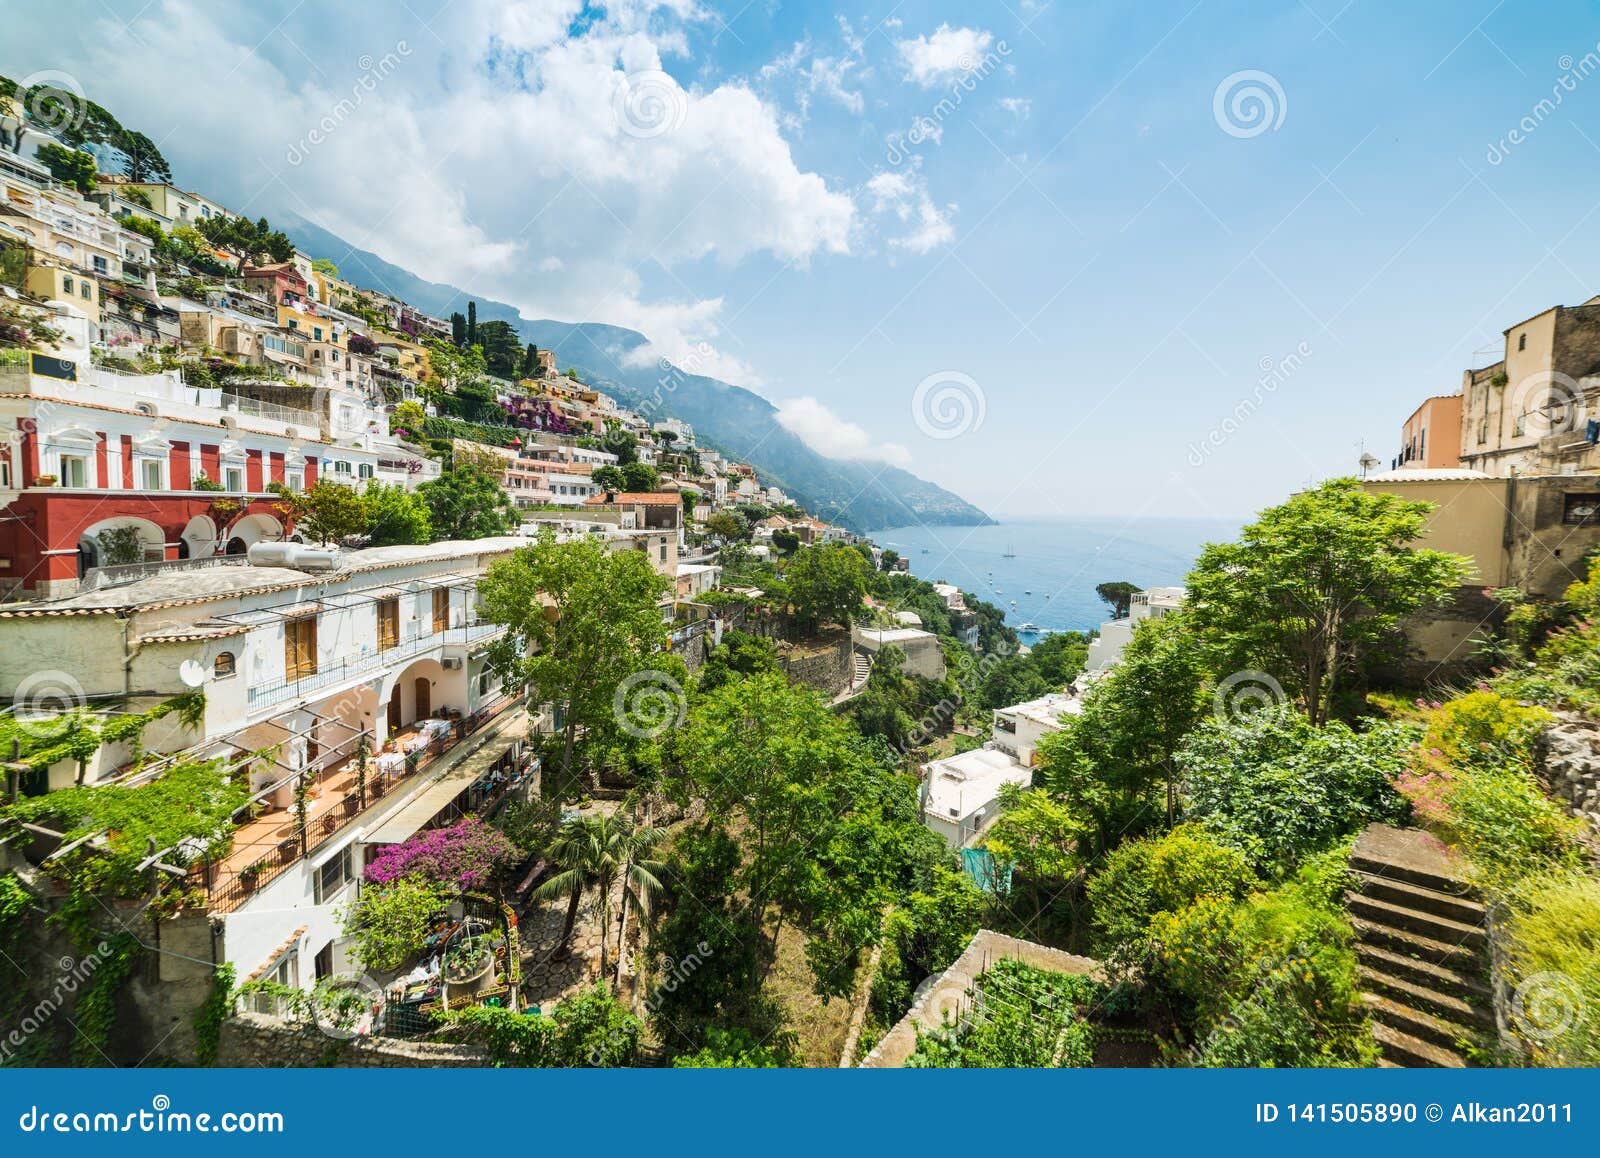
x=451 y=664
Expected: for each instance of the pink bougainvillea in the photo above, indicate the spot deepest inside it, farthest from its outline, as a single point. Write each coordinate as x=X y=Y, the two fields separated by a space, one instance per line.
x=462 y=856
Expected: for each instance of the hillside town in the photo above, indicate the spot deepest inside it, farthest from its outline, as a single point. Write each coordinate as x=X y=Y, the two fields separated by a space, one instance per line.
x=381 y=692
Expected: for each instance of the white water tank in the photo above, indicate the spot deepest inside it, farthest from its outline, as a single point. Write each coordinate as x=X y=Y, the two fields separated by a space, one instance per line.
x=295 y=555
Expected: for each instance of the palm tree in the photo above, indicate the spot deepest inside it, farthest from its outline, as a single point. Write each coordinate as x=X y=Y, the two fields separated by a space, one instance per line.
x=595 y=852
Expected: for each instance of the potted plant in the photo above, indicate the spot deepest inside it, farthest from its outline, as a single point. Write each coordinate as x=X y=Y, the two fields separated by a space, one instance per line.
x=44 y=480
x=250 y=875
x=287 y=847
x=469 y=964
x=352 y=803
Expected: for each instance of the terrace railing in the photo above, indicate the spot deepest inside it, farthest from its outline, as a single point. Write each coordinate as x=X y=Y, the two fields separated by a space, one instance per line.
x=327 y=675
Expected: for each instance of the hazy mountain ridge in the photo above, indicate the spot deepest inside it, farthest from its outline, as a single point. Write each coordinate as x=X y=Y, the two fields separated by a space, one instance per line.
x=862 y=496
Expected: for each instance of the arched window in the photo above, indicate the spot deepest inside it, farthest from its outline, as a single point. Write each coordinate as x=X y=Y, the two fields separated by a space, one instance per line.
x=223 y=665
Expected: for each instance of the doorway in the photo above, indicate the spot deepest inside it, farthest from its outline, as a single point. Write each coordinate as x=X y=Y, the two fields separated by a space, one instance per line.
x=424 y=698
x=394 y=710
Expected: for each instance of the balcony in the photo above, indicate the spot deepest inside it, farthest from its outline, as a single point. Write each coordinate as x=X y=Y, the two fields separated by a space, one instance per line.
x=123 y=573
x=327 y=676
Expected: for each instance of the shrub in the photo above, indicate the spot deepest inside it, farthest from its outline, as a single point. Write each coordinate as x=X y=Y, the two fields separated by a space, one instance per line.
x=1161 y=875
x=1506 y=826
x=1277 y=788
x=1555 y=965
x=462 y=856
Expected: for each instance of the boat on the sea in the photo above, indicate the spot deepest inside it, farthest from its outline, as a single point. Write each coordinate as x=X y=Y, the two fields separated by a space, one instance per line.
x=1010 y=552
x=1033 y=627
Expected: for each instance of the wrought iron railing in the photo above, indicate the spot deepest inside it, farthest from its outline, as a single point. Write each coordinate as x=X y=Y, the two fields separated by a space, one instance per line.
x=276 y=691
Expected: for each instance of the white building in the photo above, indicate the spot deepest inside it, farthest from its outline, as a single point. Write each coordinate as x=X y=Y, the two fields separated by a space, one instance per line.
x=1106 y=648
x=961 y=794
x=923 y=654
x=1019 y=728
x=299 y=653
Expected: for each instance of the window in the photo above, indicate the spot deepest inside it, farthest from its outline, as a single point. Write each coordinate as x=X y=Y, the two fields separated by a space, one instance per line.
x=74 y=470
x=334 y=874
x=150 y=474
x=341 y=467
x=316 y=333
x=100 y=264
x=1582 y=510
x=1522 y=341
x=66 y=286
x=223 y=666
x=300 y=647
x=388 y=624
x=364 y=470
x=295 y=480
x=233 y=479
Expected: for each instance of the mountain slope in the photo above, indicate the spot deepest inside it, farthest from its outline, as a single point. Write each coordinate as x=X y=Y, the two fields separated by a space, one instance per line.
x=742 y=425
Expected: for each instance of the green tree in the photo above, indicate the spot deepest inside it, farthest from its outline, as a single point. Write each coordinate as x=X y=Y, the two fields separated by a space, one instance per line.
x=326 y=513
x=247 y=240
x=326 y=267
x=609 y=478
x=582 y=620
x=502 y=348
x=1117 y=596
x=1317 y=587
x=727 y=526
x=69 y=166
x=1114 y=764
x=827 y=582
x=141 y=159
x=640 y=477
x=466 y=503
x=599 y=853
x=410 y=417
x=619 y=442
x=388 y=922
x=396 y=515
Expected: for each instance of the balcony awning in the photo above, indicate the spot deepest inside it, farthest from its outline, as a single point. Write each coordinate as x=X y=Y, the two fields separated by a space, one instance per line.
x=435 y=797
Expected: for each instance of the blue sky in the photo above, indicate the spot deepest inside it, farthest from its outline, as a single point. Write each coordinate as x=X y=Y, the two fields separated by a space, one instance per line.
x=1084 y=246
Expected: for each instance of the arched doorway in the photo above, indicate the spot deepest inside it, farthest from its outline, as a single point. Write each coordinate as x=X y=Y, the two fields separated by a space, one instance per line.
x=253 y=529
x=120 y=541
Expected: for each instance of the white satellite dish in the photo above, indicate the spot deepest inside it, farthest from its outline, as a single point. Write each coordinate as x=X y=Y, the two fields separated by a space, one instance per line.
x=192 y=672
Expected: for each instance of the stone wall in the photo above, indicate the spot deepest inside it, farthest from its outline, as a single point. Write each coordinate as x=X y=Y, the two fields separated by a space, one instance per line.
x=1569 y=764
x=946 y=993
x=254 y=1040
x=826 y=667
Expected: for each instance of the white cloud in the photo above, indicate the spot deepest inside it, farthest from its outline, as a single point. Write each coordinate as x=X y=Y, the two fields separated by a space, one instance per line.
x=1019 y=107
x=496 y=152
x=902 y=196
x=828 y=434
x=947 y=55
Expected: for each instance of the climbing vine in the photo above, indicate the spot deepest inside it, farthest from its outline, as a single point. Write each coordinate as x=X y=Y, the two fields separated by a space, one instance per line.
x=95 y=1014
x=78 y=735
x=213 y=1011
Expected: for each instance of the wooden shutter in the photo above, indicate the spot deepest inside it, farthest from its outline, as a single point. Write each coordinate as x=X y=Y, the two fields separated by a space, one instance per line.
x=388 y=624
x=441 y=609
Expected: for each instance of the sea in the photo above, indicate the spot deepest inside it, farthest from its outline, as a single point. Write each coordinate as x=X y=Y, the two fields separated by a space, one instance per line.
x=1053 y=566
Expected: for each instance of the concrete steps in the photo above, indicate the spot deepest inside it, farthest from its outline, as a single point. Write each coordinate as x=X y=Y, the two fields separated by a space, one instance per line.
x=1422 y=948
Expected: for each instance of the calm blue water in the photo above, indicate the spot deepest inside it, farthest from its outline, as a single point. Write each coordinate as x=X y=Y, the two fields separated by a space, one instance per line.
x=1058 y=561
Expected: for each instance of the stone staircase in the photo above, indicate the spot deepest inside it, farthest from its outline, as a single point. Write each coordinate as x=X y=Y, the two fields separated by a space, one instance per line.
x=862 y=671
x=1422 y=949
